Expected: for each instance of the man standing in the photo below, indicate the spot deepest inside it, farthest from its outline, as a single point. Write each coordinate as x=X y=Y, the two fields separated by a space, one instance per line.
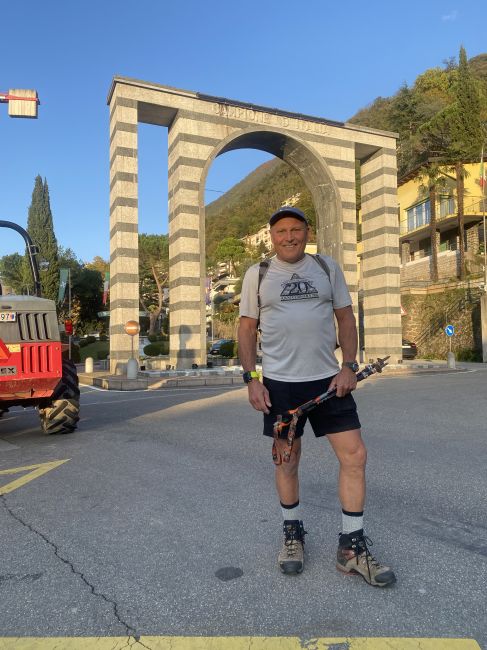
x=295 y=305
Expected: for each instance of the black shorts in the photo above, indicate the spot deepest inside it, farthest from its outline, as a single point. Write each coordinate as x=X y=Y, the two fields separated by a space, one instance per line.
x=335 y=415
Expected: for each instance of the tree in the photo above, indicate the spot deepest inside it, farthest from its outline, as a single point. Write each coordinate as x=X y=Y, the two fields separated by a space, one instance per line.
x=153 y=275
x=467 y=129
x=13 y=273
x=467 y=138
x=41 y=229
x=432 y=175
x=67 y=259
x=232 y=251
x=405 y=118
x=86 y=292
x=98 y=264
x=456 y=134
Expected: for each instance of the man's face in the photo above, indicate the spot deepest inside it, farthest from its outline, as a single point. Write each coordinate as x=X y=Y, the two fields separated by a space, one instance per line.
x=289 y=237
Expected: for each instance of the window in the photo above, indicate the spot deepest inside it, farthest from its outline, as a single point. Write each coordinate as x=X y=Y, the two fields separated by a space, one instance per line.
x=419 y=215
x=425 y=247
x=448 y=241
x=447 y=206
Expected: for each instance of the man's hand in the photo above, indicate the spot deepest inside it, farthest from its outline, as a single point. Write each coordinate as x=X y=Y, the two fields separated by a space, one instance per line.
x=259 y=396
x=344 y=382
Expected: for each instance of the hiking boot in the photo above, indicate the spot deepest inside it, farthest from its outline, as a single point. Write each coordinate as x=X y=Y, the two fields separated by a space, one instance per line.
x=353 y=556
x=291 y=557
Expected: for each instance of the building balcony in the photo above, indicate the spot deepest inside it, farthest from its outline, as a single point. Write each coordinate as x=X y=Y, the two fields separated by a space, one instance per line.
x=446 y=219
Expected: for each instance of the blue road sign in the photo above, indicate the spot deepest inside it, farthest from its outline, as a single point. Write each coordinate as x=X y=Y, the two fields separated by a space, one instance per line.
x=449 y=330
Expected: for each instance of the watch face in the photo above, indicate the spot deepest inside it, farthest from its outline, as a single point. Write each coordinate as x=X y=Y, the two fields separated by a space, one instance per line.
x=353 y=365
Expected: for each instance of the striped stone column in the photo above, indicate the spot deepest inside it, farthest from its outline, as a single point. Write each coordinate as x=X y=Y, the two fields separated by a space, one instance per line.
x=188 y=152
x=344 y=174
x=337 y=230
x=124 y=248
x=380 y=236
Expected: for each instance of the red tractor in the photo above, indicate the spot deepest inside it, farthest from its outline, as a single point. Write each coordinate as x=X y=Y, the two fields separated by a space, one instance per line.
x=33 y=371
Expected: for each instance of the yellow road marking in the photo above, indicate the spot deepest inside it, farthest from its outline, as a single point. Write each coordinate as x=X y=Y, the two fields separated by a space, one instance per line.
x=233 y=643
x=34 y=472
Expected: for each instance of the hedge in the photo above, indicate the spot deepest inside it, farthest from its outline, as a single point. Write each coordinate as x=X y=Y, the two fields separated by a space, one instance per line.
x=156 y=349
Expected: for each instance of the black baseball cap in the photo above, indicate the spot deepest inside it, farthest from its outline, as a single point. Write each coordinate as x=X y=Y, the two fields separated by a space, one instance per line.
x=288 y=211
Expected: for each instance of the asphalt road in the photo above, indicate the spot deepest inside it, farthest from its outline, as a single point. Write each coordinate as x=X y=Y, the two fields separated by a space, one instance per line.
x=164 y=520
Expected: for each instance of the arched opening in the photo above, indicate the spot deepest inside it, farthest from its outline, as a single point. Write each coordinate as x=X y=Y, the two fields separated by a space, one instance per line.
x=308 y=166
x=312 y=169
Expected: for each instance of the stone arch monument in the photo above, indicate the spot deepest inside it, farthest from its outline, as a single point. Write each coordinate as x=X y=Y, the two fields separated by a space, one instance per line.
x=201 y=127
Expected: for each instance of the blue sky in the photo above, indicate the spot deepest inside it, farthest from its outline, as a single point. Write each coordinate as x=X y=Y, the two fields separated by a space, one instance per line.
x=317 y=57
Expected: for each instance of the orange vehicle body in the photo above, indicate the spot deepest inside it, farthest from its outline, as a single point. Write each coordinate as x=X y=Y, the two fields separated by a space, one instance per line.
x=29 y=370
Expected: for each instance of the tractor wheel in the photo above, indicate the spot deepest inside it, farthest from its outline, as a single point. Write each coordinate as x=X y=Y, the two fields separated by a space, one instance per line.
x=68 y=386
x=61 y=415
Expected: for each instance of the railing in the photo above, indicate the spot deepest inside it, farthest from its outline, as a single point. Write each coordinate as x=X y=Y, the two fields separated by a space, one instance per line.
x=446 y=209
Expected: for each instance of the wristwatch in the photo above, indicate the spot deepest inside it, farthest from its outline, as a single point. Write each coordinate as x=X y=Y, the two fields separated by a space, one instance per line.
x=353 y=365
x=249 y=375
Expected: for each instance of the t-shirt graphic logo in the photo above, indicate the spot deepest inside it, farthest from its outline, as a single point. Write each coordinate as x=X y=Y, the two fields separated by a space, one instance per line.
x=298 y=288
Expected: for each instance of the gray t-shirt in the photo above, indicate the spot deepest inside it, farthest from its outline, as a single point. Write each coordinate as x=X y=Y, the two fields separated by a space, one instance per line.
x=298 y=335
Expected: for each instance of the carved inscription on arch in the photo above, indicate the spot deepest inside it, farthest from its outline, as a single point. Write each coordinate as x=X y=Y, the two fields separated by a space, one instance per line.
x=269 y=119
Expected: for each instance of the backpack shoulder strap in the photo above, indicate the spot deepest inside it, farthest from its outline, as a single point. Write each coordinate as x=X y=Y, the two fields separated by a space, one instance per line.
x=263 y=268
x=324 y=265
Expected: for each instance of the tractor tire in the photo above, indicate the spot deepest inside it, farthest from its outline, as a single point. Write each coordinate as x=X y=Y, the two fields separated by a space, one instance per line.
x=68 y=386
x=61 y=415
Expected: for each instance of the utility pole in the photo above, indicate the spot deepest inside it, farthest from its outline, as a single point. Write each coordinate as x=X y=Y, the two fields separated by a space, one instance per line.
x=483 y=300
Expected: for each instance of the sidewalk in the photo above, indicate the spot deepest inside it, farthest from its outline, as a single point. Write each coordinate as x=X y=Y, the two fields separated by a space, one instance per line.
x=154 y=379
x=232 y=375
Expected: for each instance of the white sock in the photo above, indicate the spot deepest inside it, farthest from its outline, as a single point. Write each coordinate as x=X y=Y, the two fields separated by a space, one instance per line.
x=292 y=512
x=352 y=521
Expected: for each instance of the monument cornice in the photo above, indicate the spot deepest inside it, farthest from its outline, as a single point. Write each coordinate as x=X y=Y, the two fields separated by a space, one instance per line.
x=225 y=101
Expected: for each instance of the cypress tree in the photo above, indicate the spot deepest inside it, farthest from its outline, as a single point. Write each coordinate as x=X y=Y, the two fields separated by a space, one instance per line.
x=467 y=129
x=41 y=229
x=455 y=135
x=467 y=139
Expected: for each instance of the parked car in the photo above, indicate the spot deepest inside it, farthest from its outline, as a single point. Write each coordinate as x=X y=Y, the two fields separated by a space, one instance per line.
x=216 y=345
x=409 y=349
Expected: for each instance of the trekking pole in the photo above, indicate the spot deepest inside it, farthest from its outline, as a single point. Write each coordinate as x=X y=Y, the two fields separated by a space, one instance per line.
x=290 y=418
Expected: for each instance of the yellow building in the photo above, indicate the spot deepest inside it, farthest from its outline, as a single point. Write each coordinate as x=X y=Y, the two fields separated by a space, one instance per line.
x=415 y=232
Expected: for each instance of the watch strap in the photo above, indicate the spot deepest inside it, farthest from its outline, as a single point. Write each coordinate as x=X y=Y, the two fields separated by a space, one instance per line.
x=250 y=375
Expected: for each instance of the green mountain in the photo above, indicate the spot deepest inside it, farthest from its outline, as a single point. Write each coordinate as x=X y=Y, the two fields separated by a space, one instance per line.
x=246 y=207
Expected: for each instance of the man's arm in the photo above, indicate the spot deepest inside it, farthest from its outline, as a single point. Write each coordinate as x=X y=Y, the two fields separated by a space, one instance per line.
x=247 y=339
x=346 y=380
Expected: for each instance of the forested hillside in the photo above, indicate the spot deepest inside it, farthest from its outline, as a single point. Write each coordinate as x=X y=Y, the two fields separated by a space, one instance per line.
x=247 y=206
x=412 y=109
x=418 y=113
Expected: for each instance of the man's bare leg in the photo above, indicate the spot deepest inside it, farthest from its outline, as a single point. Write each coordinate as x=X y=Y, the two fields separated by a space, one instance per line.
x=291 y=556
x=352 y=456
x=287 y=480
x=353 y=555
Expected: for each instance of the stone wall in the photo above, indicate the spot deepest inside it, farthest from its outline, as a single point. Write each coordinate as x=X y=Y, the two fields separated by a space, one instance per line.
x=436 y=307
x=448 y=267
